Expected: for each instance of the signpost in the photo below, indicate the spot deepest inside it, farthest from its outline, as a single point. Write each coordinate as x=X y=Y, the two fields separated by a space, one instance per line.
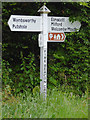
x=52 y=30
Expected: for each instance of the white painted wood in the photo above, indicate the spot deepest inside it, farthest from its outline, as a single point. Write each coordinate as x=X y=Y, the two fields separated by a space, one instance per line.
x=25 y=23
x=43 y=51
x=62 y=24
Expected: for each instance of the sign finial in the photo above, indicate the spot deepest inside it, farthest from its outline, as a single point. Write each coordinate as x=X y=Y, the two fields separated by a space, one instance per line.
x=44 y=9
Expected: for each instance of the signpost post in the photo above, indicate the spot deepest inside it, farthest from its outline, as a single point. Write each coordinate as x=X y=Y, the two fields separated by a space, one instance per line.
x=52 y=30
x=43 y=51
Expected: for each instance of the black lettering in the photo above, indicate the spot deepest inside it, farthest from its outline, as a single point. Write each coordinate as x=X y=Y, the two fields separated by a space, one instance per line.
x=19 y=26
x=14 y=19
x=58 y=19
x=24 y=20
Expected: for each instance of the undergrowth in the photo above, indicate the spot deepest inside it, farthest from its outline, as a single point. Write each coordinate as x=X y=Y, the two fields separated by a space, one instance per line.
x=57 y=105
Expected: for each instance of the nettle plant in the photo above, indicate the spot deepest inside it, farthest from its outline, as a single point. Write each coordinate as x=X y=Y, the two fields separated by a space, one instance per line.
x=29 y=77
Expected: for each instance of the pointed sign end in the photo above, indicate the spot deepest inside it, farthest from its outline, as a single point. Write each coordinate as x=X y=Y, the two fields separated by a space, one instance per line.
x=44 y=9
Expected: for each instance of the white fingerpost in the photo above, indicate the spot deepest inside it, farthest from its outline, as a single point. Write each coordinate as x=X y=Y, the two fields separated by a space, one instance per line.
x=43 y=50
x=52 y=30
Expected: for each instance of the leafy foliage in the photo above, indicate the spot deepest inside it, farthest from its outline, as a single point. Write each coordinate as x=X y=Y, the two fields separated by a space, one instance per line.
x=6 y=73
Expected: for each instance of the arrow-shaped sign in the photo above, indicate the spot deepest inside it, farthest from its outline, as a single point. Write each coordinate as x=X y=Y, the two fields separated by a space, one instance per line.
x=25 y=23
x=56 y=37
x=62 y=24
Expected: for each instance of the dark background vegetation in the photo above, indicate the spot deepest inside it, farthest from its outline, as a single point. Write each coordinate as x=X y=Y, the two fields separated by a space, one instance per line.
x=68 y=65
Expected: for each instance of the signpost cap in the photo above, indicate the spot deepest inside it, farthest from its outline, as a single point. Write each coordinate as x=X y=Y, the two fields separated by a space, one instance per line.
x=44 y=9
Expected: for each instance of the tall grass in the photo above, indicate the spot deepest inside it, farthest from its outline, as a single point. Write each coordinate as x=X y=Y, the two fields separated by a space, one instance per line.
x=0 y=111
x=57 y=105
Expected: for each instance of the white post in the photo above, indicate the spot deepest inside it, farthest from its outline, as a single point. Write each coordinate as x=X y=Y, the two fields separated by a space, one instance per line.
x=43 y=50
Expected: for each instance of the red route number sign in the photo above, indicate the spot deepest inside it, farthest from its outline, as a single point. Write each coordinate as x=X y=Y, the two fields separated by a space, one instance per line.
x=56 y=37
